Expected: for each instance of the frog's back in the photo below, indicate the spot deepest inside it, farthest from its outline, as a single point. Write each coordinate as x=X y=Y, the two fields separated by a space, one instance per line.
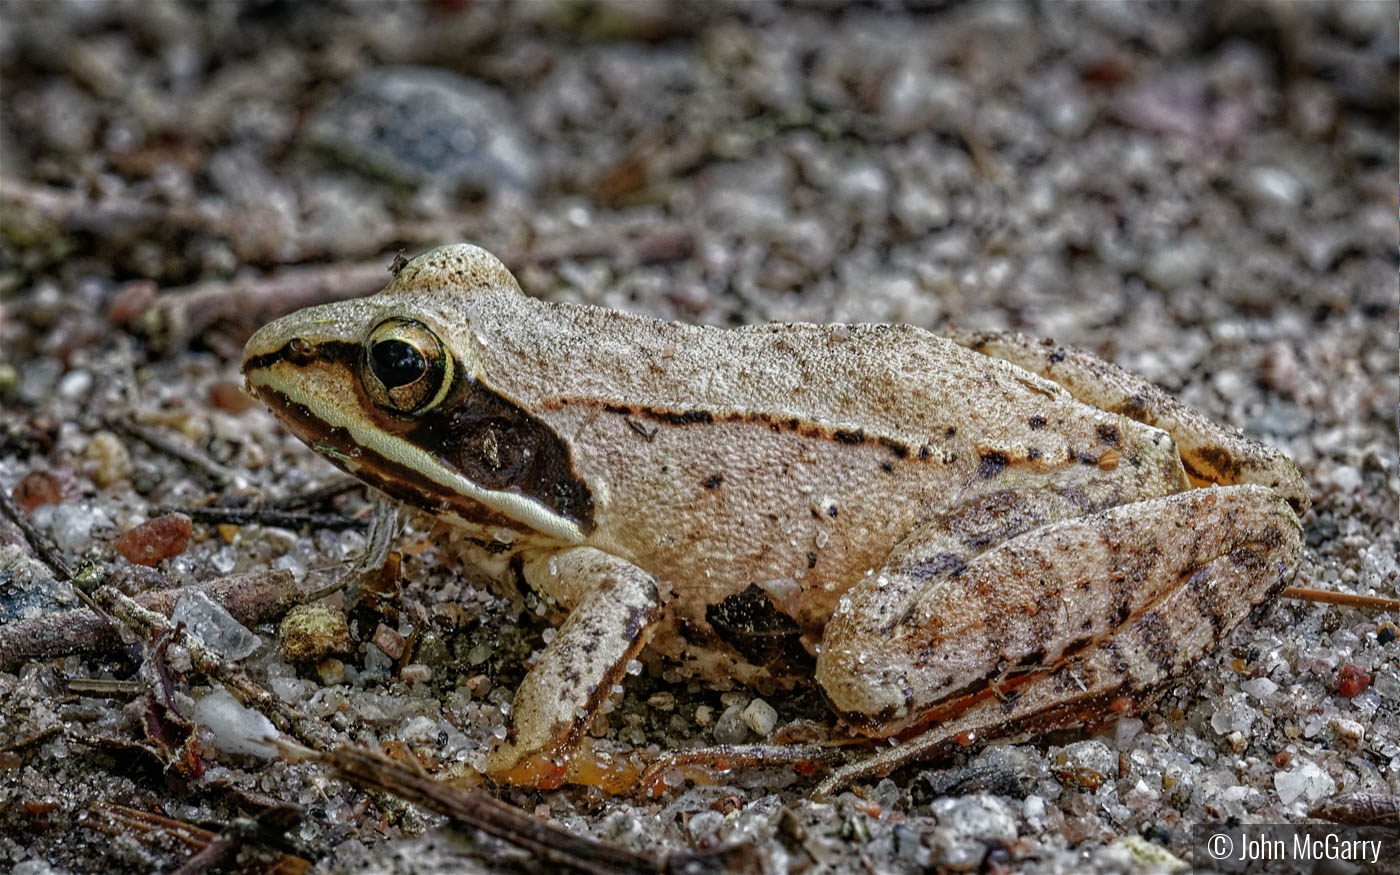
x=896 y=381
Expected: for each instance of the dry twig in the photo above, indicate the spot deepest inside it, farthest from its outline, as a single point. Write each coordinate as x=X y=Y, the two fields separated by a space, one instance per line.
x=38 y=541
x=1346 y=599
x=309 y=731
x=266 y=516
x=217 y=474
x=478 y=810
x=180 y=315
x=211 y=849
x=250 y=598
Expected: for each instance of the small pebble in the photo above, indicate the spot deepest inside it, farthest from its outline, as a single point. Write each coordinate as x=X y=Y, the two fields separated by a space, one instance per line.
x=1306 y=781
x=331 y=671
x=1148 y=856
x=416 y=673
x=113 y=460
x=662 y=701
x=211 y=623
x=1349 y=731
x=130 y=301
x=704 y=827
x=237 y=729
x=1280 y=369
x=760 y=717
x=71 y=524
x=1125 y=731
x=1270 y=186
x=1261 y=689
x=1181 y=264
x=310 y=633
x=74 y=385
x=478 y=685
x=730 y=728
x=161 y=538
x=1033 y=810
x=1352 y=680
x=389 y=641
x=36 y=489
x=1345 y=479
x=1085 y=765
x=967 y=826
x=418 y=126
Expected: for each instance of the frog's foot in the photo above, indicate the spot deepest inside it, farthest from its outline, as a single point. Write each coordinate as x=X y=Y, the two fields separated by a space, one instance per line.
x=1211 y=454
x=585 y=766
x=1091 y=612
x=705 y=765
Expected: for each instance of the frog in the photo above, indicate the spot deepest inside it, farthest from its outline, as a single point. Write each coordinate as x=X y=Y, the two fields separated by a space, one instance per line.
x=951 y=536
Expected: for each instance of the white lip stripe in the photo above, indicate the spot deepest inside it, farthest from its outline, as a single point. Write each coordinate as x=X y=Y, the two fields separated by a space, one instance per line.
x=517 y=507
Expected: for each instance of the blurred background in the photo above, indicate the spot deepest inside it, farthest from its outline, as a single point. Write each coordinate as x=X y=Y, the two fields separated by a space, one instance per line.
x=1202 y=192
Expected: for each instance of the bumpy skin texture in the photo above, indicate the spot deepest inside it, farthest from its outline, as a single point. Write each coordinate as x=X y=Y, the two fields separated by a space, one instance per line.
x=858 y=491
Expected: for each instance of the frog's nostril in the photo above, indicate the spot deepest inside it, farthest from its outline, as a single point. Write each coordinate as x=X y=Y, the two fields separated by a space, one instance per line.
x=300 y=351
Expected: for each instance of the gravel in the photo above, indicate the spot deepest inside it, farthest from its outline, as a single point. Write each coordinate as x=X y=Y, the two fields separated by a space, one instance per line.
x=1204 y=194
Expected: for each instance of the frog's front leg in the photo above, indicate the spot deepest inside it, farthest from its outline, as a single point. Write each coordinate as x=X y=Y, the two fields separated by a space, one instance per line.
x=1035 y=632
x=613 y=606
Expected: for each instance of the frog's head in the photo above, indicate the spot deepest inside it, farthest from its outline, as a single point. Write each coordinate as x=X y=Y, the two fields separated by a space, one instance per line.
x=392 y=388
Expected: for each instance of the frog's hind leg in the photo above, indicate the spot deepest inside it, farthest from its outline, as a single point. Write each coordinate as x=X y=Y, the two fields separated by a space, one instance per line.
x=1211 y=454
x=1055 y=624
x=863 y=667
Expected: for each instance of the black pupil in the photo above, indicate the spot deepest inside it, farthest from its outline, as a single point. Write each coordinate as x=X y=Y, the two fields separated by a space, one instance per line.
x=397 y=363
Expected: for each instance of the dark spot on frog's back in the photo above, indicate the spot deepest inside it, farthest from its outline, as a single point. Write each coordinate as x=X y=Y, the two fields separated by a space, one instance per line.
x=714 y=481
x=1221 y=462
x=1137 y=407
x=992 y=464
x=897 y=449
x=688 y=417
x=500 y=447
x=765 y=636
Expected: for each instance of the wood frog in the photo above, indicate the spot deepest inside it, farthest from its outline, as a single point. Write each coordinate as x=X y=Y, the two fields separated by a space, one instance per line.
x=952 y=536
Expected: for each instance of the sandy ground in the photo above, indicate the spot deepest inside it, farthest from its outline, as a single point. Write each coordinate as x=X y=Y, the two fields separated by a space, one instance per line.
x=1202 y=193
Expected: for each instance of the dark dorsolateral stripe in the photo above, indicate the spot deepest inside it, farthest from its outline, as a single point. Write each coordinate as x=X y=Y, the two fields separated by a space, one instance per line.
x=500 y=447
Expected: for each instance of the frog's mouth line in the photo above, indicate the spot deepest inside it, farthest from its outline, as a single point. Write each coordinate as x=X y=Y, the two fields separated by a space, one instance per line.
x=392 y=464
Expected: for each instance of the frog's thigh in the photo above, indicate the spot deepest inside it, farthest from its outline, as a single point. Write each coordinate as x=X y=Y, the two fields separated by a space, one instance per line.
x=613 y=607
x=1050 y=596
x=940 y=548
x=1210 y=453
x=868 y=688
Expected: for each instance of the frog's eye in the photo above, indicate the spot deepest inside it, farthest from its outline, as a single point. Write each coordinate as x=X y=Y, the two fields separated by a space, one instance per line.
x=404 y=368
